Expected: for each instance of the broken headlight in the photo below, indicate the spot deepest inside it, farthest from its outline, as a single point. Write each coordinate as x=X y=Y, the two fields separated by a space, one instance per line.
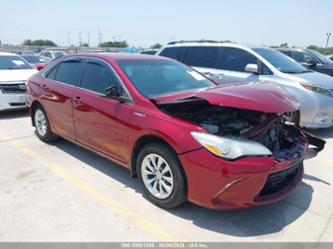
x=230 y=147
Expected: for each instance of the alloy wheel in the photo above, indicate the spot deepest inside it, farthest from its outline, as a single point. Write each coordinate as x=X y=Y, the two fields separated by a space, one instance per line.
x=157 y=176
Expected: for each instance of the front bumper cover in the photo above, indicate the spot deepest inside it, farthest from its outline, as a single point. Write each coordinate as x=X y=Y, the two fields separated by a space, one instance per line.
x=220 y=184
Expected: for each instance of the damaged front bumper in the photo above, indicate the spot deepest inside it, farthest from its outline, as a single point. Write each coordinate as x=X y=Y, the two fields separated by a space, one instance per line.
x=250 y=181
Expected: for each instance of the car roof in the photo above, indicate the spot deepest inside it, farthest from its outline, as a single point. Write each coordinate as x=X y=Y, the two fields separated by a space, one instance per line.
x=6 y=54
x=290 y=49
x=211 y=44
x=121 y=56
x=29 y=55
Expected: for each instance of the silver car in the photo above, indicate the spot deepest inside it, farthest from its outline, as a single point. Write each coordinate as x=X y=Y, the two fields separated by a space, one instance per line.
x=232 y=63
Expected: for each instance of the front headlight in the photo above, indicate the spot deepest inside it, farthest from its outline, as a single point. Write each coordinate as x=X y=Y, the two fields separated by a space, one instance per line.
x=230 y=147
x=318 y=89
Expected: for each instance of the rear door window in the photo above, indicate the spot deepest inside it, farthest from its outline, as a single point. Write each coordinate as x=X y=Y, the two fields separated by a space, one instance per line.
x=174 y=53
x=203 y=57
x=235 y=59
x=69 y=71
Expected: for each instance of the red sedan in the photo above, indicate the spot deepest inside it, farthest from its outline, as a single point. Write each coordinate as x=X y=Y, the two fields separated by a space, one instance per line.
x=185 y=138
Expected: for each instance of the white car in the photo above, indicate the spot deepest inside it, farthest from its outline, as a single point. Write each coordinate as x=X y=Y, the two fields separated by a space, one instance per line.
x=228 y=63
x=50 y=55
x=14 y=72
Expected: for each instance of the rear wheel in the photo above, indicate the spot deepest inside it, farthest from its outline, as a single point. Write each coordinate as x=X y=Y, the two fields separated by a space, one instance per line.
x=161 y=175
x=42 y=125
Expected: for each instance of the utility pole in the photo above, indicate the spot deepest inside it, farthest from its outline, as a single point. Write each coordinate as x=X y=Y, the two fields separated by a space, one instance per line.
x=69 y=38
x=88 y=37
x=328 y=38
x=80 y=39
x=99 y=36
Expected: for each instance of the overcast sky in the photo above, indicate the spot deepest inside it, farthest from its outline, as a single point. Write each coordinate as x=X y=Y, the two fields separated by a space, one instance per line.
x=145 y=22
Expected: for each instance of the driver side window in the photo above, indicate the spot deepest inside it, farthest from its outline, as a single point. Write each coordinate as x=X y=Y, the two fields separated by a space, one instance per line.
x=97 y=78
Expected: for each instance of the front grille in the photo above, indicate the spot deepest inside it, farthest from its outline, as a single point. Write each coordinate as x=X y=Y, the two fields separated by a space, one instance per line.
x=280 y=180
x=13 y=88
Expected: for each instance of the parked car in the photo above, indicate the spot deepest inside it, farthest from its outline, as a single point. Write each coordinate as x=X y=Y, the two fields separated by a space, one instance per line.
x=50 y=55
x=310 y=59
x=14 y=72
x=330 y=57
x=228 y=63
x=185 y=137
x=37 y=61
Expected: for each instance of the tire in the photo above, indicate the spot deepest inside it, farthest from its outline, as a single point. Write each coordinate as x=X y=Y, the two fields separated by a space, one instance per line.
x=42 y=125
x=165 y=194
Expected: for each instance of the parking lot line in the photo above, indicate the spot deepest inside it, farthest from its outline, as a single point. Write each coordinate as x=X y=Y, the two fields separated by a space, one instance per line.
x=139 y=220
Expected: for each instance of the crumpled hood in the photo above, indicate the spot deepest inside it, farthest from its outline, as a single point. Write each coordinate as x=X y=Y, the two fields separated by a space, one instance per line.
x=313 y=78
x=16 y=75
x=258 y=96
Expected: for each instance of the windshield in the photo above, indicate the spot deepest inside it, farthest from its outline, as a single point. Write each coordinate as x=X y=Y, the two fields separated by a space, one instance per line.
x=280 y=61
x=153 y=78
x=320 y=57
x=34 y=59
x=13 y=62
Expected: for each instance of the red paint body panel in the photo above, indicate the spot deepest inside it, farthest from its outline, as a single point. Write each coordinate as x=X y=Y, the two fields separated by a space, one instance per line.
x=58 y=98
x=261 y=96
x=112 y=129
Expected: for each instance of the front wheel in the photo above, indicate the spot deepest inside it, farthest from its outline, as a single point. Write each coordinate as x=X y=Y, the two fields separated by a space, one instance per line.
x=42 y=125
x=161 y=176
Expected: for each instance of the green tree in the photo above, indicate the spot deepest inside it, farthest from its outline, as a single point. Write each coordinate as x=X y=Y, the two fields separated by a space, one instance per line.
x=156 y=46
x=85 y=45
x=114 y=44
x=39 y=42
x=27 y=42
x=321 y=49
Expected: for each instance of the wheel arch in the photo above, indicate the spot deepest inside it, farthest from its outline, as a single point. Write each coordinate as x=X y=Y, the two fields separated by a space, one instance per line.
x=143 y=141
x=33 y=106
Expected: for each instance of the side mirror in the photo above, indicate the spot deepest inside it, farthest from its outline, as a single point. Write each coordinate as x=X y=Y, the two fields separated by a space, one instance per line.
x=114 y=92
x=312 y=63
x=252 y=68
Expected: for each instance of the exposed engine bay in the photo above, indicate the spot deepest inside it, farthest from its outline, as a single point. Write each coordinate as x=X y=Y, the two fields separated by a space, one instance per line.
x=269 y=129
